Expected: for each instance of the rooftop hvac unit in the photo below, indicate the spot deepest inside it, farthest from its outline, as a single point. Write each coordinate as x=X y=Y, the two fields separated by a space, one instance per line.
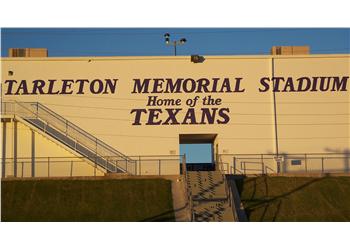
x=28 y=52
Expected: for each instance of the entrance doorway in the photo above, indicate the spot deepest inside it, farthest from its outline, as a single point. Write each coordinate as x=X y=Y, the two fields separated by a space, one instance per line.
x=199 y=150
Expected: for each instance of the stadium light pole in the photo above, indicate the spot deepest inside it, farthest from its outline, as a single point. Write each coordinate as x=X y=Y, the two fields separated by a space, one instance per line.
x=174 y=43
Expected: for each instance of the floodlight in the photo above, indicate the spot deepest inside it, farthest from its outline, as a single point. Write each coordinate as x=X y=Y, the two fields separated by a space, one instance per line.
x=183 y=40
x=174 y=43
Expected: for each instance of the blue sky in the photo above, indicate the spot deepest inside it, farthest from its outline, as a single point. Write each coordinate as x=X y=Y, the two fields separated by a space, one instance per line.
x=197 y=153
x=150 y=41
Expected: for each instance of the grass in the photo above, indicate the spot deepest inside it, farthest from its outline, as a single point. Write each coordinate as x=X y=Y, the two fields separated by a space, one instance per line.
x=296 y=198
x=87 y=200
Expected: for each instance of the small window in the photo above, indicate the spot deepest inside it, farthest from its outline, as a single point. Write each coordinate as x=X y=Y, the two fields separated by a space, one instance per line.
x=296 y=162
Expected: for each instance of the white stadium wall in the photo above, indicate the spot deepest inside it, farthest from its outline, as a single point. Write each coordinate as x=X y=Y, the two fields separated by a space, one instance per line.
x=309 y=119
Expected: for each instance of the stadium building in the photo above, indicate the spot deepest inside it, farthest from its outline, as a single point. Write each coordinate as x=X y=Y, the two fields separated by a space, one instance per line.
x=81 y=116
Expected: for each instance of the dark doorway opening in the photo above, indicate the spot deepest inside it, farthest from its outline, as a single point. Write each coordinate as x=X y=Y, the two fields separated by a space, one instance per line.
x=199 y=150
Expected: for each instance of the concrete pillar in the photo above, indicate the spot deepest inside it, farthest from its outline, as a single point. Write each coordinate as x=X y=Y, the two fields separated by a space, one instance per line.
x=33 y=153
x=3 y=165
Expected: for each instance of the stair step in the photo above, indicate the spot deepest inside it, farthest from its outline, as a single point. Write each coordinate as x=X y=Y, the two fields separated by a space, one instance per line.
x=213 y=211
x=209 y=195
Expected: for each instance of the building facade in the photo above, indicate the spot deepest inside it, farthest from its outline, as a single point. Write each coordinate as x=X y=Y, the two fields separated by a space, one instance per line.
x=275 y=105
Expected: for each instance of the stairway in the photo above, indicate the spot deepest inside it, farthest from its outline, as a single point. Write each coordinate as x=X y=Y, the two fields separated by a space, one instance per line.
x=72 y=136
x=210 y=198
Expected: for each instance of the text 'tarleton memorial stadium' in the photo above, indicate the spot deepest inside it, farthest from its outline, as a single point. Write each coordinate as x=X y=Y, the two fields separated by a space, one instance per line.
x=287 y=112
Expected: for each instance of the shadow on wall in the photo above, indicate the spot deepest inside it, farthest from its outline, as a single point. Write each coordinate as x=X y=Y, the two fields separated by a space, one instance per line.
x=285 y=167
x=346 y=153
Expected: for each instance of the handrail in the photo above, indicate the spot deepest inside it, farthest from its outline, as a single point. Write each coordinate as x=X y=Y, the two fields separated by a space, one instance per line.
x=229 y=195
x=70 y=130
x=47 y=164
x=107 y=156
x=231 y=200
x=188 y=191
x=281 y=154
x=82 y=131
x=318 y=162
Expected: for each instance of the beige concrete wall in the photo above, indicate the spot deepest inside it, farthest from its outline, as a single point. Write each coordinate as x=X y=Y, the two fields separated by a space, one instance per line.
x=251 y=127
x=51 y=158
x=328 y=133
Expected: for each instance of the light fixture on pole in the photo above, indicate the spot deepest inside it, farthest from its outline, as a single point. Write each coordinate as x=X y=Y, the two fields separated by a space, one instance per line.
x=174 y=43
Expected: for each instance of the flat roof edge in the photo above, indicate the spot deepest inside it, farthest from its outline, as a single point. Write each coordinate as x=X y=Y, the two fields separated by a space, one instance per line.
x=102 y=58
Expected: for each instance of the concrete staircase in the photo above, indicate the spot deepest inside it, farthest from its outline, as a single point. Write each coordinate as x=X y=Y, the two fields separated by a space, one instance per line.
x=210 y=196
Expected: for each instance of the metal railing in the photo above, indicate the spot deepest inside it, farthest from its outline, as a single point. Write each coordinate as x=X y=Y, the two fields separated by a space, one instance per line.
x=188 y=192
x=154 y=164
x=81 y=166
x=245 y=164
x=69 y=134
x=230 y=199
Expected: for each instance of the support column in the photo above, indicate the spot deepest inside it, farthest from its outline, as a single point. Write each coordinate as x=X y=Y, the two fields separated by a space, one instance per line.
x=3 y=165
x=275 y=117
x=15 y=148
x=33 y=154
